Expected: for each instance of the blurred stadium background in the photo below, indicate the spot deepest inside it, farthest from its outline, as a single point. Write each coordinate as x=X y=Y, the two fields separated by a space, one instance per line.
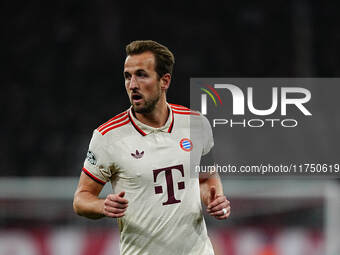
x=62 y=77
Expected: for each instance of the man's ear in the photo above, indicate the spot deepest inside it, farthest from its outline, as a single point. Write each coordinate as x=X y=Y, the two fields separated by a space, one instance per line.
x=165 y=81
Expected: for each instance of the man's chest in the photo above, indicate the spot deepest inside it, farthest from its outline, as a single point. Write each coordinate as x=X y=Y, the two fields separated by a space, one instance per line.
x=156 y=158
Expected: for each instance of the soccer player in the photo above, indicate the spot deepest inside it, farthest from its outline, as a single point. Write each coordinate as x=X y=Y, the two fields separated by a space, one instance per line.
x=144 y=153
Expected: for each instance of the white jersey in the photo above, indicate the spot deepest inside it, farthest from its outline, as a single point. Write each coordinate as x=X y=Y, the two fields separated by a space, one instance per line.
x=152 y=166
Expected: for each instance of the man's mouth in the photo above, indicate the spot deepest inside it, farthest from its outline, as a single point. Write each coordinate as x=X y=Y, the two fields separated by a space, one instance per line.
x=136 y=98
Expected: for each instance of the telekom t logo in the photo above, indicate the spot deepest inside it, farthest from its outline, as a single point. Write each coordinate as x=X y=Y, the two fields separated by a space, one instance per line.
x=238 y=100
x=169 y=183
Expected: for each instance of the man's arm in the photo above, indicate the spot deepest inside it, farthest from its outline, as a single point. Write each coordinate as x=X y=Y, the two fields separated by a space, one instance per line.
x=212 y=195
x=87 y=203
x=207 y=181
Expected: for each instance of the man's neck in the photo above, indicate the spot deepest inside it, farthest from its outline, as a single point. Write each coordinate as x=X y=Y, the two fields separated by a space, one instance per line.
x=157 y=118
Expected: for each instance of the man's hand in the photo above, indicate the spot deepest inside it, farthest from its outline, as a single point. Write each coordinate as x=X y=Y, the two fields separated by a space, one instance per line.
x=218 y=205
x=115 y=205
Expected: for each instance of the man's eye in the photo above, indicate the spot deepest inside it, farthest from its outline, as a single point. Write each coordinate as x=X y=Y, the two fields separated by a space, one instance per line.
x=142 y=75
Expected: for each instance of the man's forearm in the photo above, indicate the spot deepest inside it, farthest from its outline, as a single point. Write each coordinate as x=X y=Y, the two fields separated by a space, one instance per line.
x=206 y=183
x=88 y=205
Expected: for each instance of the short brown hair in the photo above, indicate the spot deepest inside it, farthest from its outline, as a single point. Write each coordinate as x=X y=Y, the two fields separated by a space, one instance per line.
x=164 y=59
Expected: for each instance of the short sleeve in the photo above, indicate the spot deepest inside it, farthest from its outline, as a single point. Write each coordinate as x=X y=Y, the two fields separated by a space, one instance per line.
x=97 y=162
x=208 y=140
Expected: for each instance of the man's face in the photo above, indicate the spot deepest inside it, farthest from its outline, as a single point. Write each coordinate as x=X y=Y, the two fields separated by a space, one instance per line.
x=141 y=82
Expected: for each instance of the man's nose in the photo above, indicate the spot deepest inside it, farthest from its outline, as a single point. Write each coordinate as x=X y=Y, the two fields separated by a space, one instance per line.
x=133 y=82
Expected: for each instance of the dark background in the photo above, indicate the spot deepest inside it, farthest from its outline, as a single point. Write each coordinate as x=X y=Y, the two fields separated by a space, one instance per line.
x=62 y=63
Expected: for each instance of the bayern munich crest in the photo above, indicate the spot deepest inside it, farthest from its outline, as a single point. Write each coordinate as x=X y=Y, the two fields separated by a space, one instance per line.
x=186 y=144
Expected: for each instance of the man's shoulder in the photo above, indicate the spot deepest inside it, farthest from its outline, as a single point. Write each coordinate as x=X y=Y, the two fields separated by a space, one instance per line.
x=182 y=110
x=114 y=123
x=185 y=115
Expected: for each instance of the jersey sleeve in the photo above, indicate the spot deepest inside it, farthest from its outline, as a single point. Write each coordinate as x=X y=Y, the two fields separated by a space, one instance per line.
x=97 y=162
x=208 y=140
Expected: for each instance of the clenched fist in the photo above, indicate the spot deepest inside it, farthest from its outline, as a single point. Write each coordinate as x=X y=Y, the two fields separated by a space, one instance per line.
x=115 y=205
x=218 y=205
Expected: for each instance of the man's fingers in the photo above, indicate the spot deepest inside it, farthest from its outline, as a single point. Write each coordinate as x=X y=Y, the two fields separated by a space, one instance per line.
x=114 y=215
x=118 y=198
x=220 y=212
x=115 y=205
x=212 y=193
x=114 y=210
x=111 y=203
x=223 y=217
x=220 y=206
x=217 y=201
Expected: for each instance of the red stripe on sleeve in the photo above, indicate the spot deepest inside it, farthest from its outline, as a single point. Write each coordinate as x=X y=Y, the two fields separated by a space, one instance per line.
x=186 y=113
x=113 y=127
x=112 y=123
x=115 y=117
x=178 y=106
x=92 y=176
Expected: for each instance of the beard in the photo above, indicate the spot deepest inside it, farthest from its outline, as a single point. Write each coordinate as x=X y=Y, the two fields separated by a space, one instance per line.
x=148 y=106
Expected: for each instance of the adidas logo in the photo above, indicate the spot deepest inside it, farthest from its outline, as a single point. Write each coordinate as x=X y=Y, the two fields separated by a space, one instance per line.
x=138 y=154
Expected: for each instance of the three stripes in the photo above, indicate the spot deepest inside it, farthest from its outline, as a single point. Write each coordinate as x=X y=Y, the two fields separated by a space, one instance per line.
x=123 y=118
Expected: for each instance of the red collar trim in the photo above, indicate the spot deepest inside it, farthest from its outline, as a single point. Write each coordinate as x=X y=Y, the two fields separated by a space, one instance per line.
x=139 y=130
x=135 y=125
